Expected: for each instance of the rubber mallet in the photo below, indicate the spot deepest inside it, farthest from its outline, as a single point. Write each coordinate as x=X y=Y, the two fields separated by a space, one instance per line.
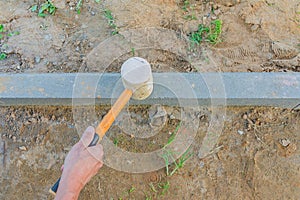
x=137 y=79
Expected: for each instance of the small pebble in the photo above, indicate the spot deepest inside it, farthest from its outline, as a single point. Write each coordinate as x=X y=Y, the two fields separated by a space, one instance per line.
x=23 y=148
x=67 y=148
x=241 y=132
x=254 y=27
x=172 y=117
x=285 y=142
x=53 y=117
x=201 y=164
x=37 y=59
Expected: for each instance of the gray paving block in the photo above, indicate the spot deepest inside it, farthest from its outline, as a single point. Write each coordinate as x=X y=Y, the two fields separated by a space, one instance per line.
x=185 y=89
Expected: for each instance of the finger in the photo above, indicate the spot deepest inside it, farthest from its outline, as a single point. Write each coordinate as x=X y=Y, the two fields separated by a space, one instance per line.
x=97 y=152
x=87 y=136
x=62 y=168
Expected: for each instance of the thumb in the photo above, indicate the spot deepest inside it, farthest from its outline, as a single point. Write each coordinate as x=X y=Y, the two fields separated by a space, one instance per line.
x=97 y=152
x=87 y=136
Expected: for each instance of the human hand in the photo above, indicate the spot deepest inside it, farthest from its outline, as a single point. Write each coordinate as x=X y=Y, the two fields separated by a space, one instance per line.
x=80 y=165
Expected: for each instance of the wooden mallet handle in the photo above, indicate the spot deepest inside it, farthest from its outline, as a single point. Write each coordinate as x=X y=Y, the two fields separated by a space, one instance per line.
x=104 y=125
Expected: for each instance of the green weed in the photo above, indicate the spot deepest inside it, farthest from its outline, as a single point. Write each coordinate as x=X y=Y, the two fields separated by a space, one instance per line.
x=34 y=8
x=215 y=31
x=165 y=187
x=13 y=33
x=46 y=8
x=198 y=36
x=181 y=161
x=2 y=30
x=186 y=5
x=131 y=190
x=133 y=51
x=78 y=6
x=127 y=193
x=188 y=8
x=3 y=56
x=173 y=135
x=190 y=17
x=209 y=33
x=169 y=155
x=4 y=34
x=152 y=187
x=111 y=21
x=115 y=141
x=148 y=197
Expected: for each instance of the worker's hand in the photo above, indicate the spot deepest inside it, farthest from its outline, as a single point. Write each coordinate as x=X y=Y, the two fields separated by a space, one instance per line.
x=80 y=165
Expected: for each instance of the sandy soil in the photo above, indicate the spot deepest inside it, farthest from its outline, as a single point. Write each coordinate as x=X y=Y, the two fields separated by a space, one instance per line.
x=256 y=36
x=257 y=155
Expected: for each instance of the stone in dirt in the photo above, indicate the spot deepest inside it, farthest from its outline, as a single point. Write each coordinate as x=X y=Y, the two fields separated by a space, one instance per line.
x=23 y=148
x=285 y=142
x=157 y=115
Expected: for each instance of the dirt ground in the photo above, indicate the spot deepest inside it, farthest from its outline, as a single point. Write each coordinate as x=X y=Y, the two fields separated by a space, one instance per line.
x=257 y=35
x=257 y=155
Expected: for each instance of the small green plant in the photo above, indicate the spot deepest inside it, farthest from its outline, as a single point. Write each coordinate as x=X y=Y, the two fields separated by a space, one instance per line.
x=3 y=56
x=13 y=33
x=181 y=161
x=34 y=8
x=148 y=197
x=215 y=31
x=78 y=6
x=186 y=5
x=97 y=1
x=209 y=34
x=4 y=34
x=169 y=155
x=166 y=156
x=131 y=190
x=46 y=8
x=152 y=187
x=189 y=11
x=197 y=37
x=111 y=21
x=127 y=193
x=190 y=17
x=2 y=28
x=133 y=51
x=165 y=187
x=116 y=141
x=1 y=31
x=172 y=136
